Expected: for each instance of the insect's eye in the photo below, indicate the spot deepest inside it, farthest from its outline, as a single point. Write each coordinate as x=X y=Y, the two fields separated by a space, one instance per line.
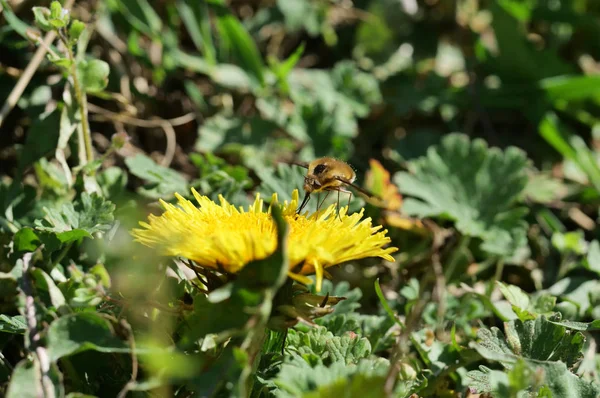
x=319 y=168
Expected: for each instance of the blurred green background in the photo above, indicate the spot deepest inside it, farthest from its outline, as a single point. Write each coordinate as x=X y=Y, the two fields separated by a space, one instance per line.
x=222 y=95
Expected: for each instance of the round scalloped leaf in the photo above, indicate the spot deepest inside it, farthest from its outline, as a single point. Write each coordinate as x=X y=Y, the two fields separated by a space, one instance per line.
x=473 y=185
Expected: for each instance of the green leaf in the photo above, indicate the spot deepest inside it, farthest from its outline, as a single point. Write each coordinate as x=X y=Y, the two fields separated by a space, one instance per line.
x=75 y=30
x=41 y=15
x=25 y=381
x=93 y=75
x=55 y=10
x=303 y=14
x=322 y=345
x=75 y=333
x=593 y=257
x=473 y=185
x=542 y=188
x=580 y=326
x=570 y=242
x=236 y=39
x=283 y=180
x=522 y=378
x=538 y=339
x=357 y=386
x=297 y=377
x=571 y=88
x=13 y=324
x=222 y=132
x=113 y=182
x=163 y=182
x=575 y=149
x=518 y=299
x=59 y=16
x=42 y=138
x=25 y=240
x=88 y=215
x=540 y=343
x=46 y=286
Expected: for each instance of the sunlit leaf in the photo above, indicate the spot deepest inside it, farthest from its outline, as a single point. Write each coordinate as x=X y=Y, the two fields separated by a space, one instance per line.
x=460 y=180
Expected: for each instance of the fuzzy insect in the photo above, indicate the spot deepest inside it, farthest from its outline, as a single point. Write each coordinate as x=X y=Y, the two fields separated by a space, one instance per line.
x=326 y=175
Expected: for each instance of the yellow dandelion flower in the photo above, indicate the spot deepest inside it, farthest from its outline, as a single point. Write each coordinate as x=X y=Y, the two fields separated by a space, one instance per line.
x=225 y=238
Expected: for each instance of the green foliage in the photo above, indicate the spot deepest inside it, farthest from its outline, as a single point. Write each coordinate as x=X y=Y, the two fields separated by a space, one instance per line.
x=527 y=347
x=160 y=181
x=89 y=215
x=486 y=117
x=458 y=180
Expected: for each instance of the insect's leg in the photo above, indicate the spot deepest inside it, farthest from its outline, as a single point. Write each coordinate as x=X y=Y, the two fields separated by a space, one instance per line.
x=337 y=206
x=349 y=199
x=318 y=201
x=323 y=201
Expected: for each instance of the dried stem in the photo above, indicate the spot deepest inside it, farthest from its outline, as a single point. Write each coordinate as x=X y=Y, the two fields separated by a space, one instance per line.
x=165 y=124
x=33 y=333
x=134 y=361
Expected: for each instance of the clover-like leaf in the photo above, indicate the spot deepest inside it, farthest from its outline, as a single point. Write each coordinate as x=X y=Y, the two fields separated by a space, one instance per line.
x=87 y=216
x=473 y=185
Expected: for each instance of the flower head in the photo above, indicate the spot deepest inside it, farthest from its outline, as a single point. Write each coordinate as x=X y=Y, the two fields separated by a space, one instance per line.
x=225 y=238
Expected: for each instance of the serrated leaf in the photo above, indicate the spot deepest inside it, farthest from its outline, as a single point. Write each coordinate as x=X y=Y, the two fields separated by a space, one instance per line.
x=25 y=240
x=318 y=342
x=297 y=377
x=12 y=324
x=93 y=75
x=283 y=180
x=75 y=333
x=473 y=185
x=557 y=379
x=542 y=344
x=163 y=182
x=88 y=215
x=518 y=299
x=539 y=340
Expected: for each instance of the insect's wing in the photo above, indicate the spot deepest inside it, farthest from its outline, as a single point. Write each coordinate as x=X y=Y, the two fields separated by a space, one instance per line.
x=301 y=164
x=359 y=189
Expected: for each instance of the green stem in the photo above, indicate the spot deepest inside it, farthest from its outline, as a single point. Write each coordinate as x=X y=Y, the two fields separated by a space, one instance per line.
x=81 y=101
x=464 y=242
x=497 y=277
x=62 y=254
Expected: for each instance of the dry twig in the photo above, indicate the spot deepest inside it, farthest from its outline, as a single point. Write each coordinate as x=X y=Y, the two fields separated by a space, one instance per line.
x=166 y=124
